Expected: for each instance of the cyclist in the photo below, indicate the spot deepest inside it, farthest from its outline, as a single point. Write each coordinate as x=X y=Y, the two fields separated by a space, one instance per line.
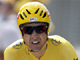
x=34 y=22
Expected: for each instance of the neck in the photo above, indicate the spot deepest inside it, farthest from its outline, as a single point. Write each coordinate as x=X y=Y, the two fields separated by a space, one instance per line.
x=39 y=53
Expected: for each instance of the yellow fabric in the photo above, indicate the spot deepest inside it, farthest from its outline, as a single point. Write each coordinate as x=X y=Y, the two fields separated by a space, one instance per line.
x=57 y=49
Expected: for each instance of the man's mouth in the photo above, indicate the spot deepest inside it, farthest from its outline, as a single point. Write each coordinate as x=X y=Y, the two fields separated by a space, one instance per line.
x=35 y=42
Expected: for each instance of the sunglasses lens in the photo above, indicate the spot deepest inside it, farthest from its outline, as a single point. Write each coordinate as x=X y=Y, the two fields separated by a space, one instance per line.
x=30 y=29
x=27 y=30
x=40 y=29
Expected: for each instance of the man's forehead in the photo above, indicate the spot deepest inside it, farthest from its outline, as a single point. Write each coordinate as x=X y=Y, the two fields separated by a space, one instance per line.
x=34 y=24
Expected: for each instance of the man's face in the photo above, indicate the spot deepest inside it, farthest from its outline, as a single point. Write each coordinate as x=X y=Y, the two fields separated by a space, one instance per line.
x=35 y=41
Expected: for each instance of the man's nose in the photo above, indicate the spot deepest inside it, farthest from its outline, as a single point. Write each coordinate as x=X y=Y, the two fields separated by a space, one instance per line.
x=34 y=34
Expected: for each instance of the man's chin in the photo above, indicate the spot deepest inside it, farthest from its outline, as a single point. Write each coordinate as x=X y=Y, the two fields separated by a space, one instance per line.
x=36 y=50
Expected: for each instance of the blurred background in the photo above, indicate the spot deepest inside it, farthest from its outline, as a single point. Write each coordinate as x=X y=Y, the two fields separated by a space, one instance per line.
x=65 y=21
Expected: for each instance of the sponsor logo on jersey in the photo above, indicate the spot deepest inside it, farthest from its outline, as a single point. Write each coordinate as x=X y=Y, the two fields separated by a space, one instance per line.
x=55 y=42
x=18 y=46
x=33 y=19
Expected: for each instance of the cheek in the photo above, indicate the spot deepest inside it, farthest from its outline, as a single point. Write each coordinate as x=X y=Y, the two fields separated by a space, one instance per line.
x=26 y=38
x=43 y=37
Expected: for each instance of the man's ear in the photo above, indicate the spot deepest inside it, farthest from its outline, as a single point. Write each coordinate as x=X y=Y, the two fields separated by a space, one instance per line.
x=47 y=35
x=23 y=38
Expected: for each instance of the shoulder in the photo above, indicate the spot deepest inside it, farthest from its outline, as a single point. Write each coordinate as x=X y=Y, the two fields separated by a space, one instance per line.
x=67 y=51
x=15 y=45
x=57 y=37
x=12 y=50
x=57 y=40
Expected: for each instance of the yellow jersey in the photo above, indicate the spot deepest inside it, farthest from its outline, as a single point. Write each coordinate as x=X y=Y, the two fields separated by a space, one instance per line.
x=58 y=48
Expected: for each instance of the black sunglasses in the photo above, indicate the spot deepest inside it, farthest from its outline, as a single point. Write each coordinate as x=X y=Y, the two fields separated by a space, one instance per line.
x=29 y=29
